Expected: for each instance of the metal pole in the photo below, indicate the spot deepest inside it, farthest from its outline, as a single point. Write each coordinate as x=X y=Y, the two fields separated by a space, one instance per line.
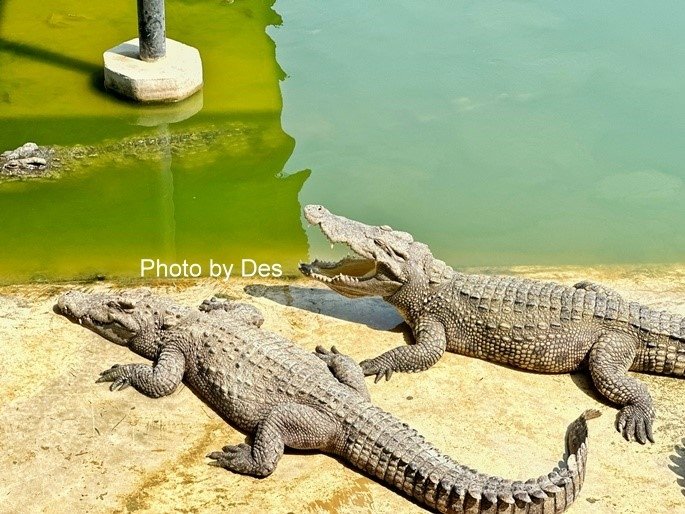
x=151 y=29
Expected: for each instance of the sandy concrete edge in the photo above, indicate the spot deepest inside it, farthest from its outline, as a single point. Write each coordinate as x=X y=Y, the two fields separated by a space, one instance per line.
x=70 y=444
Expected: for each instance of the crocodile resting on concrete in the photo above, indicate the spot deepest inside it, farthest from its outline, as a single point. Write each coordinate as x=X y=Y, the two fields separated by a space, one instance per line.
x=33 y=161
x=282 y=395
x=539 y=326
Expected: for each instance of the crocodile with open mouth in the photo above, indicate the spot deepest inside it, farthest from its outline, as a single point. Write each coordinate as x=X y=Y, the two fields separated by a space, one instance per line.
x=539 y=326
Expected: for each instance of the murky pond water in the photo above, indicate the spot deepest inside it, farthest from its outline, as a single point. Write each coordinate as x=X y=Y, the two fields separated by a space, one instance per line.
x=499 y=133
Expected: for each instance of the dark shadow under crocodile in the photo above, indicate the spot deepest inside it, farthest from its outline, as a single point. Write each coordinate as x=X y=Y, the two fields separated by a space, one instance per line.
x=372 y=312
x=583 y=381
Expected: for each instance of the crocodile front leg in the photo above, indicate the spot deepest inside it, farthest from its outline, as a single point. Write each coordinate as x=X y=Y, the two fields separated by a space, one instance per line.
x=287 y=424
x=429 y=347
x=610 y=359
x=155 y=381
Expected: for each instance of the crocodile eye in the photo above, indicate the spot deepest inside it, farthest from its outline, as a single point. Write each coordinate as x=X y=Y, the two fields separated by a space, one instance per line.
x=123 y=305
x=391 y=251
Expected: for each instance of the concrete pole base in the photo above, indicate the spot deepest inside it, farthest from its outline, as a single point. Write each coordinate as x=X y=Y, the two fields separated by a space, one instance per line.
x=169 y=79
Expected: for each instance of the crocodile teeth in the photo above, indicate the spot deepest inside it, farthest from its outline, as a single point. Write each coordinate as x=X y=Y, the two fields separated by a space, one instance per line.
x=322 y=278
x=80 y=321
x=346 y=278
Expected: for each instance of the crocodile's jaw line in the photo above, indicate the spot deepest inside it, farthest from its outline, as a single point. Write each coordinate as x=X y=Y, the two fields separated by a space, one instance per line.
x=378 y=267
x=360 y=284
x=398 y=260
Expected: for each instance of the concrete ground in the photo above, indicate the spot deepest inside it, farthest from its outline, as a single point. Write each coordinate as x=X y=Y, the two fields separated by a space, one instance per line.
x=70 y=445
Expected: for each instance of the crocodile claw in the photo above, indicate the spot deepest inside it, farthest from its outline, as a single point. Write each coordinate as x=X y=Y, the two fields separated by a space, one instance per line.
x=326 y=355
x=635 y=422
x=374 y=367
x=117 y=375
x=237 y=458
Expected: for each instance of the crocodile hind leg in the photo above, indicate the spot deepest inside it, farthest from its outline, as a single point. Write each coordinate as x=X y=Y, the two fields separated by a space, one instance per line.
x=597 y=288
x=287 y=424
x=429 y=347
x=345 y=369
x=610 y=358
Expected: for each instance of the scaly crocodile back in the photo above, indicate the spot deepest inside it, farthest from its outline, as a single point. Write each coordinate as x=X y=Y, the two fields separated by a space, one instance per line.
x=497 y=292
x=661 y=334
x=662 y=338
x=568 y=302
x=655 y=322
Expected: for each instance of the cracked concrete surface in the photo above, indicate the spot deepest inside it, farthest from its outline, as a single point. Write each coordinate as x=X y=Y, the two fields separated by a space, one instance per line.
x=69 y=444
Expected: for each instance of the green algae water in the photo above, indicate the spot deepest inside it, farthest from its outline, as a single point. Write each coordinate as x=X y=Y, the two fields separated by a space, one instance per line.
x=500 y=133
x=222 y=200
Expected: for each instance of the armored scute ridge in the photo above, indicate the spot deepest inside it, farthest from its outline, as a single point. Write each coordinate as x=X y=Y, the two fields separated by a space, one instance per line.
x=539 y=326
x=284 y=396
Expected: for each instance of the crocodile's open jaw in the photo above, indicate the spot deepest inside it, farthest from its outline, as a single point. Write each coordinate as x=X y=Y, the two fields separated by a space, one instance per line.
x=349 y=269
x=385 y=259
x=350 y=276
x=376 y=268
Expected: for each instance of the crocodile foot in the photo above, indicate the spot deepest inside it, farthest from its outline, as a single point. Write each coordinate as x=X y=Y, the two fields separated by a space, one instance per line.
x=328 y=356
x=635 y=422
x=376 y=367
x=118 y=375
x=237 y=458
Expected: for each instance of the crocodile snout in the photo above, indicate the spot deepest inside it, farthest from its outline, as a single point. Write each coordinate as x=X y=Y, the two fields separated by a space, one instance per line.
x=69 y=303
x=315 y=213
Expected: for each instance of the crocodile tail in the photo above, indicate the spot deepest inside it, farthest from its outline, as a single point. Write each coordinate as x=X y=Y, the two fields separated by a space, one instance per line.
x=389 y=450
